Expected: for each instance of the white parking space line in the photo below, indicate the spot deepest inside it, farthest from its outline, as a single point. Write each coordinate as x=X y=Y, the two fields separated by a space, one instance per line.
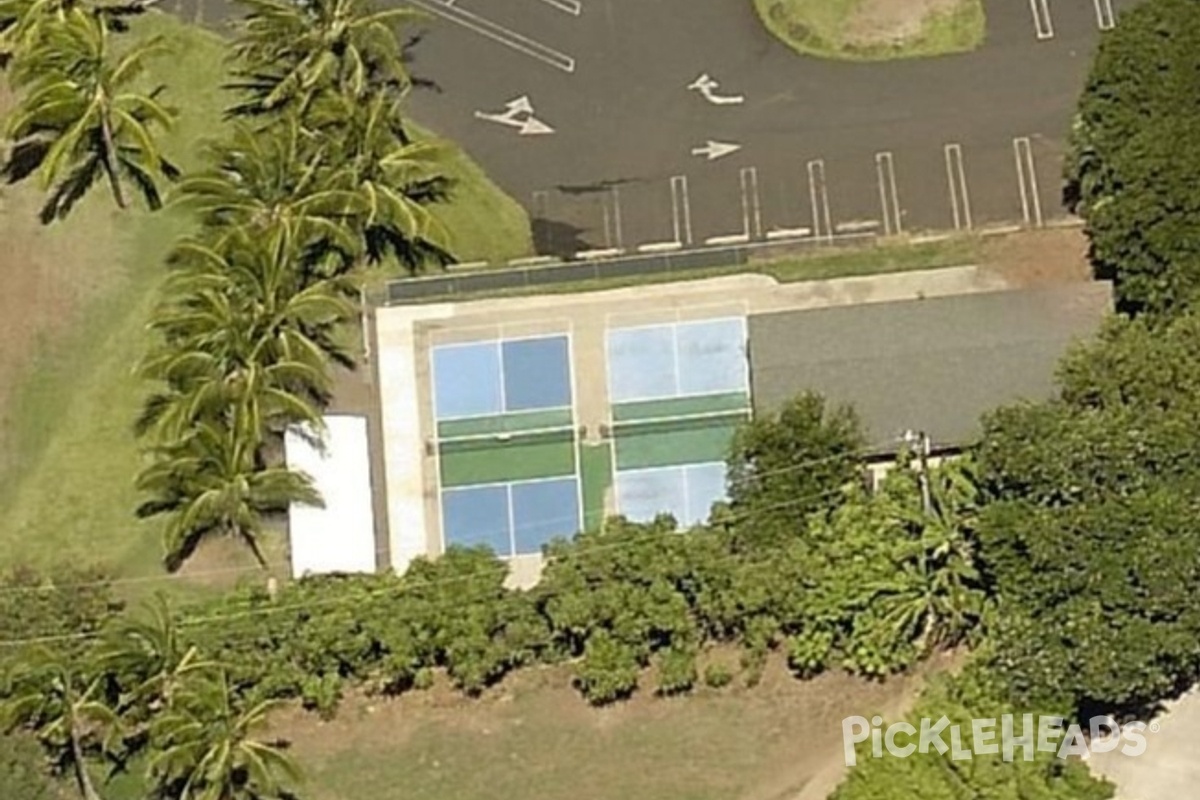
x=611 y=206
x=541 y=204
x=1027 y=183
x=818 y=195
x=751 y=206
x=1105 y=17
x=889 y=197
x=857 y=226
x=572 y=7
x=681 y=209
x=1042 y=24
x=498 y=33
x=618 y=232
x=659 y=247
x=732 y=238
x=788 y=233
x=960 y=198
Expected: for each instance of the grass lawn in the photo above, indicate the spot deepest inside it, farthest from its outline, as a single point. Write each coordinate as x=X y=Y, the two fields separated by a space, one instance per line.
x=68 y=454
x=875 y=30
x=847 y=262
x=534 y=737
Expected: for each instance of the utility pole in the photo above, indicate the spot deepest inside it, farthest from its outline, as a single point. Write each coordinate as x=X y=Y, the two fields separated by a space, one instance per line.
x=924 y=448
x=923 y=451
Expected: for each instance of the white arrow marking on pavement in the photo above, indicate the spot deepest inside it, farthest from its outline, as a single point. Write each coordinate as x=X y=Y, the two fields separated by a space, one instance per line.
x=707 y=87
x=515 y=109
x=714 y=150
x=534 y=126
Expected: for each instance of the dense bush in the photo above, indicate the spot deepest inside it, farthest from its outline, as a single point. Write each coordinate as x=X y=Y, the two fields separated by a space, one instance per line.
x=858 y=588
x=1135 y=152
x=934 y=776
x=381 y=630
x=60 y=613
x=1090 y=539
x=22 y=769
x=788 y=465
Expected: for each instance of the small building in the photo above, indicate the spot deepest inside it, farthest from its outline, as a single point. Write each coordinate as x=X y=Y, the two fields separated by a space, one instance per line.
x=933 y=365
x=508 y=422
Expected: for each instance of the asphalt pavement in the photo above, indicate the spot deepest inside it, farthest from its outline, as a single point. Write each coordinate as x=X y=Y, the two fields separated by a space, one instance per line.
x=652 y=125
x=582 y=110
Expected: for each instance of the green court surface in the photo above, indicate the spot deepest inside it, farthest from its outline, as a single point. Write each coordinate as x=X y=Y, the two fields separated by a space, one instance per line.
x=677 y=442
x=494 y=459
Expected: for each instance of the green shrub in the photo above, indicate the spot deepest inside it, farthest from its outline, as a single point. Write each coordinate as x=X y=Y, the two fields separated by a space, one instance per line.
x=808 y=652
x=717 y=676
x=608 y=670
x=676 y=670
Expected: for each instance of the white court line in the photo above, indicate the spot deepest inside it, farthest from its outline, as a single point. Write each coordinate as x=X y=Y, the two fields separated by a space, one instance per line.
x=1105 y=17
x=1031 y=203
x=817 y=191
x=1042 y=24
x=572 y=7
x=889 y=197
x=960 y=199
x=681 y=209
x=498 y=33
x=751 y=207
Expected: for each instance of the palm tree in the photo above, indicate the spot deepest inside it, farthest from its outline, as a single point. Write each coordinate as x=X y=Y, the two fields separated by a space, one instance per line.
x=293 y=51
x=245 y=338
x=79 y=118
x=21 y=21
x=215 y=483
x=394 y=179
x=266 y=177
x=149 y=658
x=207 y=748
x=936 y=594
x=66 y=709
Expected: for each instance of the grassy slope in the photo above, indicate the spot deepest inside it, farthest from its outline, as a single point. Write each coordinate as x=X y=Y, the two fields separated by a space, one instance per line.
x=535 y=738
x=815 y=28
x=68 y=494
x=852 y=261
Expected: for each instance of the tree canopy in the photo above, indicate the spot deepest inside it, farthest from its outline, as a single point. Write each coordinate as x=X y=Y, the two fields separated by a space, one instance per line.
x=1089 y=537
x=1135 y=149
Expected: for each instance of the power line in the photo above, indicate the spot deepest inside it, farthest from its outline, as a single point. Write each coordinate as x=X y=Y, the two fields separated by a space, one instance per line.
x=149 y=579
x=398 y=588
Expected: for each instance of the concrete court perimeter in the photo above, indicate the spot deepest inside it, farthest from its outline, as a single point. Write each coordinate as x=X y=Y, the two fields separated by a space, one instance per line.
x=405 y=334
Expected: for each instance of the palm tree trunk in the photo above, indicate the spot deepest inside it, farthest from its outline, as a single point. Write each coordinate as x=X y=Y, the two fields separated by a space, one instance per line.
x=81 y=774
x=110 y=162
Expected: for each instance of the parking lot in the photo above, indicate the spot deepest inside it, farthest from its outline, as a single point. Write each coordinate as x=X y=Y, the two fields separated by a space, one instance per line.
x=627 y=125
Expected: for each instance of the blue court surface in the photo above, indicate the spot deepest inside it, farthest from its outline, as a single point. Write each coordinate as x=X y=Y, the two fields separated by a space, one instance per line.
x=677 y=392
x=499 y=377
x=508 y=466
